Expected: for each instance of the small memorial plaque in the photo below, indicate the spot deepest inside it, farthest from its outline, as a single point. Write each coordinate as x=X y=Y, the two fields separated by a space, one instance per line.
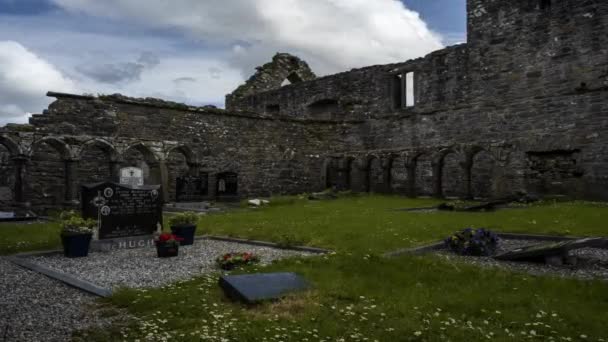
x=191 y=188
x=133 y=176
x=123 y=210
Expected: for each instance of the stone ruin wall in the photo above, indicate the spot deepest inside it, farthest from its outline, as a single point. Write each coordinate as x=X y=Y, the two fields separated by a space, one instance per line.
x=82 y=139
x=523 y=106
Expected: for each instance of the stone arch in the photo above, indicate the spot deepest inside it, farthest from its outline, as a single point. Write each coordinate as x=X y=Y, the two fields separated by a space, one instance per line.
x=376 y=177
x=325 y=173
x=332 y=172
x=481 y=171
x=51 y=179
x=400 y=177
x=7 y=176
x=109 y=149
x=423 y=174
x=11 y=168
x=97 y=162
x=11 y=146
x=58 y=145
x=451 y=174
x=180 y=162
x=347 y=164
x=141 y=156
x=186 y=151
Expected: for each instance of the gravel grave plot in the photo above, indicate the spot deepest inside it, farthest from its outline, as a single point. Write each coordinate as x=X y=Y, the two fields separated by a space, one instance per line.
x=592 y=263
x=36 y=308
x=140 y=267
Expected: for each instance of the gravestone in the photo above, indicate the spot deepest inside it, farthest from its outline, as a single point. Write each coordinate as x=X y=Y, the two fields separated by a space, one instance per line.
x=552 y=253
x=123 y=210
x=252 y=288
x=133 y=176
x=191 y=188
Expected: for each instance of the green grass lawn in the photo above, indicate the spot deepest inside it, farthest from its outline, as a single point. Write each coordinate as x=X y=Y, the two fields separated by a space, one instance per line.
x=360 y=296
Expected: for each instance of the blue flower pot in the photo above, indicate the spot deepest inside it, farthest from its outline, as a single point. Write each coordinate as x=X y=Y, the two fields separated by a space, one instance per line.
x=75 y=246
x=186 y=232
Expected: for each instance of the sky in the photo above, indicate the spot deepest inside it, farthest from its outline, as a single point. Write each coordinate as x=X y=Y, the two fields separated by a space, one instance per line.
x=197 y=51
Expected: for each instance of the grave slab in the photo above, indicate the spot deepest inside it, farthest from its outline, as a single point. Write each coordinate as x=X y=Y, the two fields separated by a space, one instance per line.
x=548 y=250
x=252 y=288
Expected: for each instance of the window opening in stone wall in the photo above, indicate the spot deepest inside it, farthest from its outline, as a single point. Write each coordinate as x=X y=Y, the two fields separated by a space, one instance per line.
x=397 y=89
x=545 y=4
x=273 y=108
x=410 y=100
x=323 y=106
x=285 y=82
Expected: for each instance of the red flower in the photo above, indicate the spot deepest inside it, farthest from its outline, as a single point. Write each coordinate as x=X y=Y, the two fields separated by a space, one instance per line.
x=164 y=237
x=227 y=256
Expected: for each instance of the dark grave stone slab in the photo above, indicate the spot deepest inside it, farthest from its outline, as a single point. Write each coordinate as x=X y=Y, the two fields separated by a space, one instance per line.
x=252 y=288
x=551 y=252
x=123 y=210
x=191 y=188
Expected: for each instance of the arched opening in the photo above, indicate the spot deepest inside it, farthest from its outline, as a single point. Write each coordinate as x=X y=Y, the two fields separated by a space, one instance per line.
x=140 y=156
x=423 y=176
x=348 y=173
x=452 y=176
x=7 y=177
x=48 y=182
x=323 y=107
x=332 y=174
x=95 y=162
x=178 y=171
x=399 y=175
x=376 y=182
x=227 y=186
x=482 y=171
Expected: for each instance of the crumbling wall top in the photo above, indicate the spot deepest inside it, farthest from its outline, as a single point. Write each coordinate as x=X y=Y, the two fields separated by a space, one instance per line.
x=271 y=76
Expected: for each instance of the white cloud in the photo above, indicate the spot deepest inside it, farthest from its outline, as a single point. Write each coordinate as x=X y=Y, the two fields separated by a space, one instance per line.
x=24 y=79
x=333 y=35
x=182 y=79
x=196 y=51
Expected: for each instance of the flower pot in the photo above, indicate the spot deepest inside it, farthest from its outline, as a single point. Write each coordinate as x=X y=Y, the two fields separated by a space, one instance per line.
x=186 y=232
x=76 y=245
x=164 y=250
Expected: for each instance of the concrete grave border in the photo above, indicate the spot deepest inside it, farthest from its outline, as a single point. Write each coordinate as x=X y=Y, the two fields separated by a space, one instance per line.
x=440 y=244
x=86 y=286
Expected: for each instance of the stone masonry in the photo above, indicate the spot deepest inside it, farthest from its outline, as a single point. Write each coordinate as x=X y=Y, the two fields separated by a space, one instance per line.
x=521 y=107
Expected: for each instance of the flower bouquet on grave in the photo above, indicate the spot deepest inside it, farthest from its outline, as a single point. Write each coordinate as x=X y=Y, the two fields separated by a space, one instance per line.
x=167 y=245
x=231 y=260
x=470 y=241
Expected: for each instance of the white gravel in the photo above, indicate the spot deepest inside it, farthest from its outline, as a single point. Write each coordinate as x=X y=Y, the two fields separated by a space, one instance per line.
x=36 y=308
x=592 y=262
x=141 y=267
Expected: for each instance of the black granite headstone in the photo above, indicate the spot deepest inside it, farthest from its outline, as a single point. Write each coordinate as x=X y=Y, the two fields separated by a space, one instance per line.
x=252 y=288
x=123 y=210
x=191 y=188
